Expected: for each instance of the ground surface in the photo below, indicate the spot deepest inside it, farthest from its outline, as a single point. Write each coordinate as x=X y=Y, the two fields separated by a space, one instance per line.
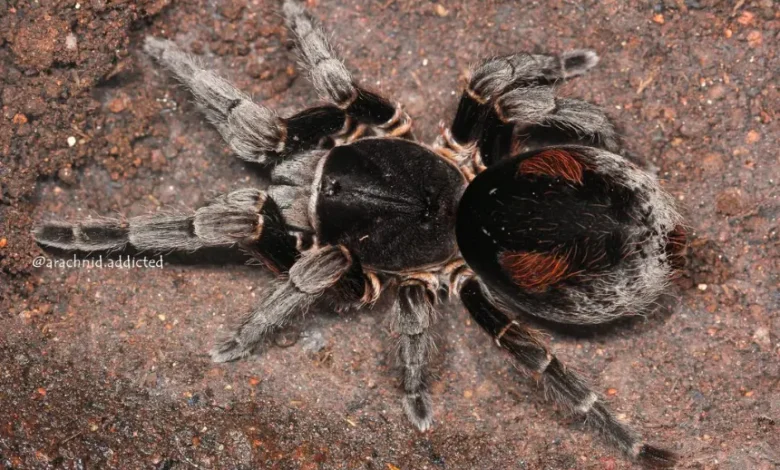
x=106 y=368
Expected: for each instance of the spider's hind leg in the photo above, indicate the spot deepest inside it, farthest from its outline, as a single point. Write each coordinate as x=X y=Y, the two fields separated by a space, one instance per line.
x=560 y=383
x=515 y=93
x=572 y=121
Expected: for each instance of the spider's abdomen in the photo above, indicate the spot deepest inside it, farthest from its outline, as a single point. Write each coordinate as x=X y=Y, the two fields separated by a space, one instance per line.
x=570 y=234
x=391 y=202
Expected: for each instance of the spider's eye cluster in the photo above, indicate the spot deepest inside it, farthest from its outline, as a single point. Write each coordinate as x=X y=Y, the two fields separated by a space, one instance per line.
x=542 y=219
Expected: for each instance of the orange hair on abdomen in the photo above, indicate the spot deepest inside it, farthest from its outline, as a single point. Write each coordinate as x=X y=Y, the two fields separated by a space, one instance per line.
x=553 y=162
x=677 y=247
x=534 y=271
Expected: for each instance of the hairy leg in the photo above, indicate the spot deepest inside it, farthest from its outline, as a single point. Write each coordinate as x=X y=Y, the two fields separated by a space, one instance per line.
x=570 y=121
x=560 y=383
x=518 y=90
x=412 y=314
x=252 y=131
x=246 y=217
x=333 y=81
x=318 y=270
x=223 y=222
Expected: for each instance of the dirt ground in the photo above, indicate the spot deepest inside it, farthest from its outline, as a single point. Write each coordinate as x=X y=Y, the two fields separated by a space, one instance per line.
x=106 y=368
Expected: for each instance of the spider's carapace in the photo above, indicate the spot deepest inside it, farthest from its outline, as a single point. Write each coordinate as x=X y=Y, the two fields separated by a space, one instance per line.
x=392 y=202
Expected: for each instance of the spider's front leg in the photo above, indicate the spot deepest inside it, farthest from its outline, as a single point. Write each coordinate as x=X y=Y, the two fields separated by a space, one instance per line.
x=247 y=217
x=412 y=314
x=560 y=383
x=364 y=109
x=516 y=94
x=254 y=132
x=326 y=270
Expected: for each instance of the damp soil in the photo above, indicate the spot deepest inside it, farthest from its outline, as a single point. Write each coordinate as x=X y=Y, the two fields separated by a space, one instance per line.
x=106 y=368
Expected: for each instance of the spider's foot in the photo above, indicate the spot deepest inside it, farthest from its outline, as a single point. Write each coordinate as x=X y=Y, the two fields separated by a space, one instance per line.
x=419 y=410
x=229 y=349
x=156 y=47
x=654 y=457
x=577 y=62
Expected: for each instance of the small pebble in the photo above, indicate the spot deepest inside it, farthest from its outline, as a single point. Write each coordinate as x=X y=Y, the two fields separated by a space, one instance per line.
x=65 y=174
x=71 y=141
x=730 y=202
x=746 y=18
x=761 y=336
x=71 y=42
x=286 y=338
x=118 y=104
x=313 y=341
x=754 y=38
x=702 y=287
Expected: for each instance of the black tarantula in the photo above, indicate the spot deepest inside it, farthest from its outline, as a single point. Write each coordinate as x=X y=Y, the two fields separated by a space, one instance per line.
x=570 y=232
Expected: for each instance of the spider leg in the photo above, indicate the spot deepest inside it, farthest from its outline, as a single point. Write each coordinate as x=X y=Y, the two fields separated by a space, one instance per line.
x=333 y=81
x=412 y=313
x=246 y=217
x=568 y=121
x=317 y=271
x=254 y=132
x=559 y=382
x=518 y=90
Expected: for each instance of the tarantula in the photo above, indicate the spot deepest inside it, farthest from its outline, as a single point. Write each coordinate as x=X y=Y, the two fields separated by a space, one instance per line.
x=568 y=231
